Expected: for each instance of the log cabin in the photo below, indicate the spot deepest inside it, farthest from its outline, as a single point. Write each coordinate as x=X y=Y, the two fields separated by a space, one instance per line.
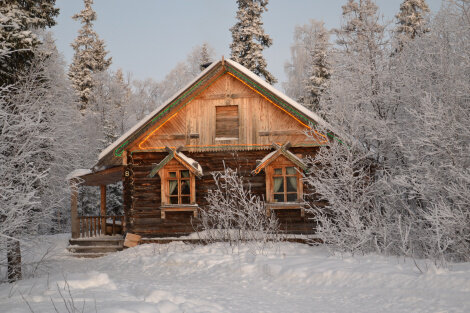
x=226 y=117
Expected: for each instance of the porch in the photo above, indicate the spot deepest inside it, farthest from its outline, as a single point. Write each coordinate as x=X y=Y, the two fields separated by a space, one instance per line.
x=95 y=235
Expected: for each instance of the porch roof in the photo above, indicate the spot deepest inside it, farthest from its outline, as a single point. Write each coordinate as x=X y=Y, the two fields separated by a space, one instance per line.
x=104 y=177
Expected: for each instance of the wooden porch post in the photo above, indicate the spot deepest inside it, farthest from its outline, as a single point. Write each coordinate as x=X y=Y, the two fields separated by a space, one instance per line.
x=74 y=211
x=103 y=209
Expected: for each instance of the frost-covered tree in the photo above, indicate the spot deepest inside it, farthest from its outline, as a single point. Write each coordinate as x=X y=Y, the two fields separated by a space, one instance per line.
x=107 y=117
x=18 y=40
x=39 y=144
x=199 y=58
x=309 y=72
x=90 y=56
x=411 y=20
x=415 y=129
x=236 y=215
x=143 y=98
x=342 y=176
x=249 y=38
x=361 y=63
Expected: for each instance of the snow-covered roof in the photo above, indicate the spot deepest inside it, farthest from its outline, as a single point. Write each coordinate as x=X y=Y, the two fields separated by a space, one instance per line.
x=78 y=173
x=193 y=163
x=121 y=141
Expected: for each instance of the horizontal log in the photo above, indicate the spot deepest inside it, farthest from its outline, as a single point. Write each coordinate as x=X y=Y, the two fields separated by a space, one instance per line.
x=279 y=133
x=221 y=96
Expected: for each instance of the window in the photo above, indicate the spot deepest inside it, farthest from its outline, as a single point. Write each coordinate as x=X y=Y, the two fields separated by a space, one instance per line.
x=178 y=184
x=226 y=122
x=285 y=184
x=179 y=187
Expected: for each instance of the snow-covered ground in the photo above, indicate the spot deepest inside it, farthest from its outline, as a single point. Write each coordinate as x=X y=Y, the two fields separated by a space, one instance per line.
x=185 y=278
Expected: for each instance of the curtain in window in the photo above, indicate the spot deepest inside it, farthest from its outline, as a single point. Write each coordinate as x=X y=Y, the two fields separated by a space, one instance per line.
x=278 y=184
x=173 y=186
x=291 y=183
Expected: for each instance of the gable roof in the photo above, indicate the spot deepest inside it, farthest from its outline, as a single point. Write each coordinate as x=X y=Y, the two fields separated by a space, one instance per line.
x=187 y=162
x=280 y=150
x=114 y=151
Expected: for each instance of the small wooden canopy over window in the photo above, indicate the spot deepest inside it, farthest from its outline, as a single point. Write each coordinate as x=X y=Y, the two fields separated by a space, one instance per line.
x=280 y=150
x=226 y=122
x=188 y=163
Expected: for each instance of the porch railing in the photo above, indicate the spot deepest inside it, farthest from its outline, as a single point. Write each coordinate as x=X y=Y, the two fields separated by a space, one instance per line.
x=92 y=226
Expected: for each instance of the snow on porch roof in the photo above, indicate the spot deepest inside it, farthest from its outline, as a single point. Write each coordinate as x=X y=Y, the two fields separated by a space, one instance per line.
x=241 y=72
x=88 y=178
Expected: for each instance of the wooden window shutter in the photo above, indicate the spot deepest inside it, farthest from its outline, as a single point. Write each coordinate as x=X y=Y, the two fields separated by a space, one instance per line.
x=226 y=121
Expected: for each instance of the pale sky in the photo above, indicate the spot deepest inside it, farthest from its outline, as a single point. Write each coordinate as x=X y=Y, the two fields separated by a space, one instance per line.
x=149 y=37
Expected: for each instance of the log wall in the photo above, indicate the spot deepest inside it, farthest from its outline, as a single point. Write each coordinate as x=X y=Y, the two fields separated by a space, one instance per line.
x=142 y=195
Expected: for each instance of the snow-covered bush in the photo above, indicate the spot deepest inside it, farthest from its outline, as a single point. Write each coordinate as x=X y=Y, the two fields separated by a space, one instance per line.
x=236 y=215
x=343 y=177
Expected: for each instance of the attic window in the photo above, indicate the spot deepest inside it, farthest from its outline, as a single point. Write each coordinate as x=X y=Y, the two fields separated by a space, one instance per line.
x=226 y=122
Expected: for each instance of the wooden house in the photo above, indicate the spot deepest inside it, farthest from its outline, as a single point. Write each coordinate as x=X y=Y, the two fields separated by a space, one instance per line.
x=227 y=116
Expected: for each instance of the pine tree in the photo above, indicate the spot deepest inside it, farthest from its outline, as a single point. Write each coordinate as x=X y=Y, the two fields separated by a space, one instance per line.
x=18 y=40
x=309 y=72
x=90 y=55
x=411 y=20
x=249 y=38
x=319 y=71
x=206 y=57
x=199 y=58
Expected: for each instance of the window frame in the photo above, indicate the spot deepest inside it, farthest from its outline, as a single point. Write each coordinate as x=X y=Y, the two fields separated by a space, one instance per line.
x=179 y=186
x=165 y=178
x=282 y=162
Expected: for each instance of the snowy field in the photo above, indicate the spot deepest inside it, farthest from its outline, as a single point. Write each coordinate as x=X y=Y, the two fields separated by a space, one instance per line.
x=186 y=278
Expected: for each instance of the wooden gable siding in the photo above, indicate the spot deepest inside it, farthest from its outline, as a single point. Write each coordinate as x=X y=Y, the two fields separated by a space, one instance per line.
x=194 y=126
x=142 y=195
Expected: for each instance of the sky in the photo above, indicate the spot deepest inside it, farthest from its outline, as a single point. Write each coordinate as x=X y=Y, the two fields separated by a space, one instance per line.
x=149 y=37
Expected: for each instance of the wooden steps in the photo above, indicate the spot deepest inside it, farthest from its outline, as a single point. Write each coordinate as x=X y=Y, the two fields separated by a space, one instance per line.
x=93 y=247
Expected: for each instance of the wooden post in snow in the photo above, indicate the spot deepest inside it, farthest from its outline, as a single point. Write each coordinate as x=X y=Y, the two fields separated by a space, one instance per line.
x=74 y=211
x=103 y=209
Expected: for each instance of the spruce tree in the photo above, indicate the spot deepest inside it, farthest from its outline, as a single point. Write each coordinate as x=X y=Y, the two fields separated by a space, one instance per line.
x=206 y=57
x=18 y=21
x=249 y=38
x=319 y=69
x=411 y=20
x=199 y=58
x=90 y=56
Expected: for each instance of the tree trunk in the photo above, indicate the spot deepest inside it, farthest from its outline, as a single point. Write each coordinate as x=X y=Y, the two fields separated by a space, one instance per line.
x=14 y=260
